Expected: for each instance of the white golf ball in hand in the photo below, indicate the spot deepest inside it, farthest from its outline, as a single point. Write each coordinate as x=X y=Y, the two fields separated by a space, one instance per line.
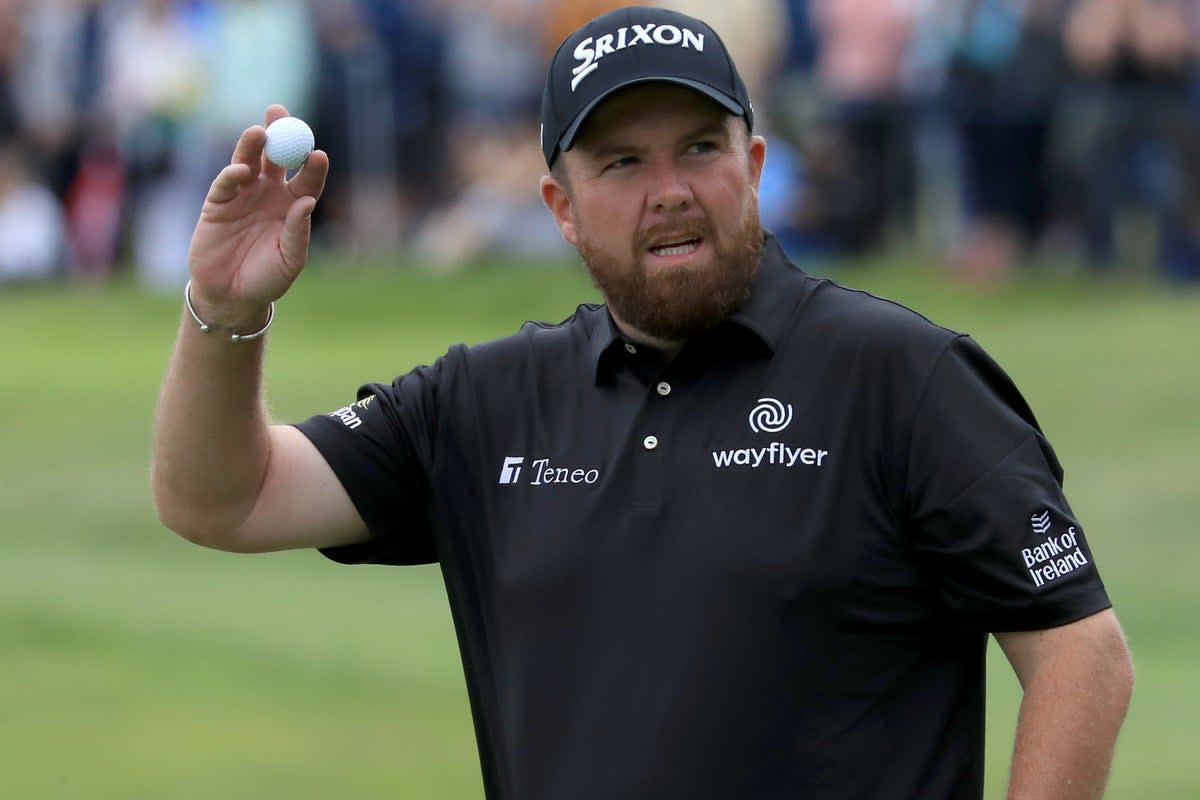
x=289 y=141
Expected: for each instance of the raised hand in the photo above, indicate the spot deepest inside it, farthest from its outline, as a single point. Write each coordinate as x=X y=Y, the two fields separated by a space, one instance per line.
x=251 y=241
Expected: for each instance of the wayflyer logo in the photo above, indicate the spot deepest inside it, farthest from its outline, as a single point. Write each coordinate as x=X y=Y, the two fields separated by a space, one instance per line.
x=770 y=416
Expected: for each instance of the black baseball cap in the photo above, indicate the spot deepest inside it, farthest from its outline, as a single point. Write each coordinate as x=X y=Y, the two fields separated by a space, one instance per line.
x=629 y=46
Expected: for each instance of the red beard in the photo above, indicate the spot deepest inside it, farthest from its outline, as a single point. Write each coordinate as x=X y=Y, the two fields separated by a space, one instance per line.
x=678 y=302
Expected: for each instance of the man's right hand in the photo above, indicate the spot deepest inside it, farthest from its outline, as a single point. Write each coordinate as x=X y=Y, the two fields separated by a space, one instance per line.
x=222 y=475
x=253 y=234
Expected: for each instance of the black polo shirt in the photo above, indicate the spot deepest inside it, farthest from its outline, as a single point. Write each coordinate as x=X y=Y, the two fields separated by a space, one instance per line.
x=766 y=569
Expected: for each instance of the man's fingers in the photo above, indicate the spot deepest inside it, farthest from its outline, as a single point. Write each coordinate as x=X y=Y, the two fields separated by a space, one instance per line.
x=310 y=180
x=249 y=148
x=293 y=240
x=228 y=181
x=270 y=169
x=275 y=111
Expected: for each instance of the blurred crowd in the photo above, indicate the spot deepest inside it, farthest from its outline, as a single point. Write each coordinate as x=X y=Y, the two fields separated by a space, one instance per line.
x=994 y=131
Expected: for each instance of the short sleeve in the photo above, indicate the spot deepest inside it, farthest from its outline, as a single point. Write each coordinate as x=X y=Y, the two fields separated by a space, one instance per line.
x=381 y=449
x=986 y=505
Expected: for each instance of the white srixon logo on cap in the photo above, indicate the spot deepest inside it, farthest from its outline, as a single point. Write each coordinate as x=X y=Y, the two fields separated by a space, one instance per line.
x=592 y=49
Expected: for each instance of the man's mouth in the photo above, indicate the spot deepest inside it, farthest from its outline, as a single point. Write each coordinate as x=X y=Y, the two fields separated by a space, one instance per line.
x=680 y=248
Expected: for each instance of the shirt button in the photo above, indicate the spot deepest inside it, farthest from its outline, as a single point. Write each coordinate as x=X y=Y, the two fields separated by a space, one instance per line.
x=664 y=388
x=650 y=442
x=630 y=348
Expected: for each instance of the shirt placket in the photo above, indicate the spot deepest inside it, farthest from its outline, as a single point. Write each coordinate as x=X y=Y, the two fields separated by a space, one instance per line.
x=653 y=445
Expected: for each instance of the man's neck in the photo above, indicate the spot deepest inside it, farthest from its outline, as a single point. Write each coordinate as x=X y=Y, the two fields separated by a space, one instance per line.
x=669 y=348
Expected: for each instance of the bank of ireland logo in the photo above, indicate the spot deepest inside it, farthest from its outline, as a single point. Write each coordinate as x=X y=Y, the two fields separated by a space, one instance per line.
x=770 y=416
x=511 y=470
x=1041 y=522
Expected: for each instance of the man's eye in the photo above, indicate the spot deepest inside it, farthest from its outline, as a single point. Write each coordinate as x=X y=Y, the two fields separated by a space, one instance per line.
x=621 y=162
x=702 y=147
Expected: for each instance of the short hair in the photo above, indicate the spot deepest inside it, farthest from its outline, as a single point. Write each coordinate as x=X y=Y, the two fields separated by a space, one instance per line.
x=559 y=173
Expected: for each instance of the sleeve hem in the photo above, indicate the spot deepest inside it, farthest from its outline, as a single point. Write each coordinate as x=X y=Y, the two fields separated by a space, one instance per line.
x=1064 y=611
x=387 y=543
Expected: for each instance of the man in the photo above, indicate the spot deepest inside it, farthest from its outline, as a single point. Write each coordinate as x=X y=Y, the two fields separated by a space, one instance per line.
x=738 y=533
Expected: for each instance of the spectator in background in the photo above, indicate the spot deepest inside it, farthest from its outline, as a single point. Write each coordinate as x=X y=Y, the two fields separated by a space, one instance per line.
x=1186 y=264
x=493 y=72
x=380 y=113
x=793 y=199
x=59 y=90
x=793 y=90
x=1131 y=126
x=53 y=82
x=259 y=52
x=155 y=80
x=563 y=17
x=11 y=53
x=1005 y=70
x=754 y=32
x=867 y=146
x=31 y=230
x=493 y=47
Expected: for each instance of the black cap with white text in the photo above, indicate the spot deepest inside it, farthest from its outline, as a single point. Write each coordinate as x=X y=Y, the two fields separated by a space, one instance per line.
x=631 y=46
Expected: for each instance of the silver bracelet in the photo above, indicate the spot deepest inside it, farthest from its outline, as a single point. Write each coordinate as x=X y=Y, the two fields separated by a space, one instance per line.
x=233 y=337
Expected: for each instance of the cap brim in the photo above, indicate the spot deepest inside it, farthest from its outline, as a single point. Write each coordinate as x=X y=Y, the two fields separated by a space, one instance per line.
x=567 y=140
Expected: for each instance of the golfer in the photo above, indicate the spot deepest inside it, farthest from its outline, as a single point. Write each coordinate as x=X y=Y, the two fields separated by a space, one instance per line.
x=738 y=532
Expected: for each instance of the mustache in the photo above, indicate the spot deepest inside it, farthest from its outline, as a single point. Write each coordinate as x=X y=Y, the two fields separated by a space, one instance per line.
x=699 y=228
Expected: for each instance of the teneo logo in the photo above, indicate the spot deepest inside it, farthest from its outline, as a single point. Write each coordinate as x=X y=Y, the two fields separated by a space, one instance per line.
x=770 y=416
x=1041 y=522
x=511 y=470
x=544 y=473
x=589 y=52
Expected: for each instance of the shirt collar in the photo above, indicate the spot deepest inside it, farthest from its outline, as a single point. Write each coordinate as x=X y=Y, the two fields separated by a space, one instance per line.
x=768 y=310
x=766 y=313
x=604 y=336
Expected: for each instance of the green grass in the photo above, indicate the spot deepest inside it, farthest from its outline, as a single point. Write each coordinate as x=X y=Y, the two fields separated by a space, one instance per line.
x=135 y=665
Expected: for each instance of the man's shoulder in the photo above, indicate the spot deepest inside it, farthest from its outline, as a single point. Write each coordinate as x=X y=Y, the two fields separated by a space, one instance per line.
x=845 y=315
x=584 y=318
x=537 y=339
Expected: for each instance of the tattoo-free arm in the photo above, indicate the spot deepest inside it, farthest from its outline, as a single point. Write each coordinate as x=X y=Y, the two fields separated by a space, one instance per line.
x=222 y=476
x=1077 y=681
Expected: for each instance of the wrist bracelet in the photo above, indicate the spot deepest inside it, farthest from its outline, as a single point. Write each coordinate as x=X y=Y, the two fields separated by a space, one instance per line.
x=233 y=337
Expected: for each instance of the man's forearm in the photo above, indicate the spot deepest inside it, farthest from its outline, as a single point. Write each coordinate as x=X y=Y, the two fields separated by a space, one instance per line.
x=1071 y=713
x=211 y=442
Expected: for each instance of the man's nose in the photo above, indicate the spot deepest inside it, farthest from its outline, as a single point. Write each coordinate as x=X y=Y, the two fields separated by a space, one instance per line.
x=670 y=189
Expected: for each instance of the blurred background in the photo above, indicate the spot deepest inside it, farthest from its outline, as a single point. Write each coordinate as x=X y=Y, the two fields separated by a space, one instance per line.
x=991 y=133
x=1025 y=170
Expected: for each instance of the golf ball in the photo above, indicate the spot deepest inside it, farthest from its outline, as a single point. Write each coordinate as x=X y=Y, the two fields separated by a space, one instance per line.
x=289 y=141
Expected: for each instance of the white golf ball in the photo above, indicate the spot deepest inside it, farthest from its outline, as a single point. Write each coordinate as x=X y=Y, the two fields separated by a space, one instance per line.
x=289 y=141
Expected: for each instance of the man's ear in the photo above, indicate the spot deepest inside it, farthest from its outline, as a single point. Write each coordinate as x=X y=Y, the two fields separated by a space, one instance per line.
x=757 y=157
x=558 y=200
